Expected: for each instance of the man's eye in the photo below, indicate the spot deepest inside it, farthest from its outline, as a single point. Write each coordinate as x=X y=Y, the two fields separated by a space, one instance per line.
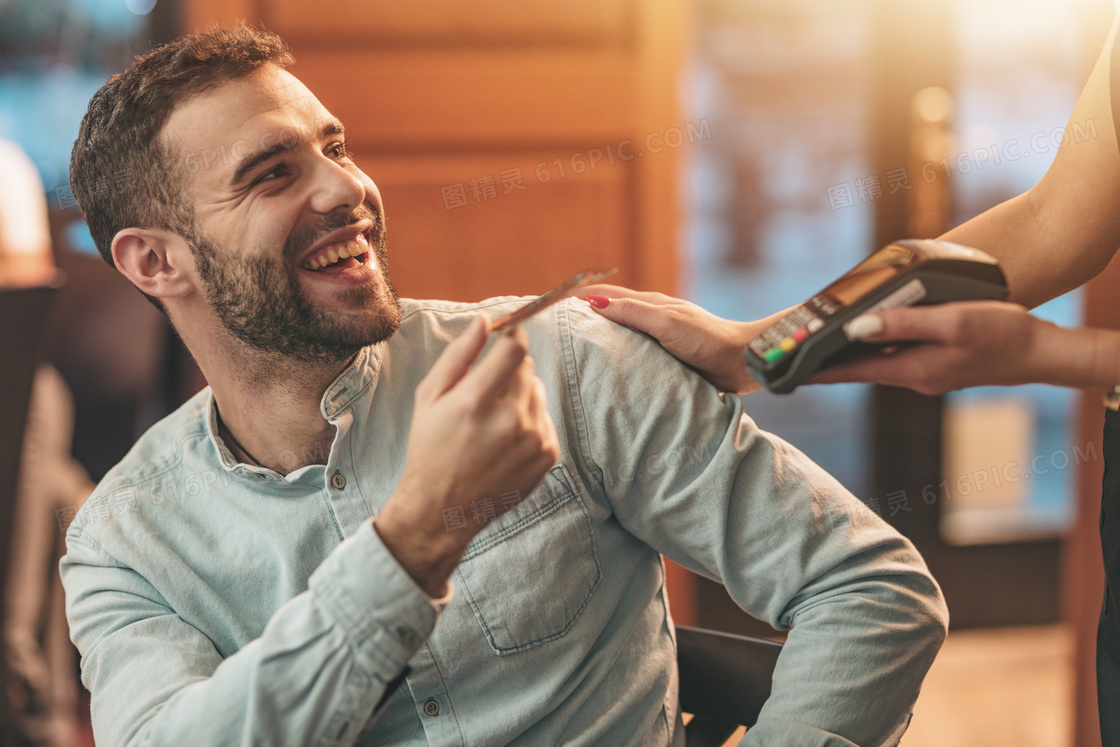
x=276 y=171
x=339 y=150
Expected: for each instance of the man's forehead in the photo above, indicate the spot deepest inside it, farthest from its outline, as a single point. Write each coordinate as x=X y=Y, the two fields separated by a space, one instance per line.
x=269 y=105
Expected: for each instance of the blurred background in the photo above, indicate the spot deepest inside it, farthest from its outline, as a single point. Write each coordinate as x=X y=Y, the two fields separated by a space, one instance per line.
x=742 y=153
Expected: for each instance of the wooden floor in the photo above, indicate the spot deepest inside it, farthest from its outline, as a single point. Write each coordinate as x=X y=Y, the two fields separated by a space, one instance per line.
x=1004 y=687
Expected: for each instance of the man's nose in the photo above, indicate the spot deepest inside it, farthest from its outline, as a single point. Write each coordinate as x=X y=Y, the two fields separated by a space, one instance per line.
x=335 y=186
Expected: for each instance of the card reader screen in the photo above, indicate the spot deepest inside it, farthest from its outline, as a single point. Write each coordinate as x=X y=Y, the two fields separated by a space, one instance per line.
x=870 y=274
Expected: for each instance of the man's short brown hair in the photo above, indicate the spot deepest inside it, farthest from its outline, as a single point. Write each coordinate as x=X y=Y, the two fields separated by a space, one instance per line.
x=121 y=172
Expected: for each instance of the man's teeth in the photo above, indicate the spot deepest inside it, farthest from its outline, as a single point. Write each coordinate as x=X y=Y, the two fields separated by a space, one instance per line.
x=329 y=255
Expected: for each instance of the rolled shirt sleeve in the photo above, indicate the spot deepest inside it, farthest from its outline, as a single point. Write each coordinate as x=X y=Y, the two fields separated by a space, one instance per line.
x=686 y=470
x=314 y=676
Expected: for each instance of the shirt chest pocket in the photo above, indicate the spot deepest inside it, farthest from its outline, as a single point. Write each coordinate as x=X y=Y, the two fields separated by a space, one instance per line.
x=531 y=573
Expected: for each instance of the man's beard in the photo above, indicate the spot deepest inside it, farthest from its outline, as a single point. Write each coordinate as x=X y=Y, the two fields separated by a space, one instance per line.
x=258 y=297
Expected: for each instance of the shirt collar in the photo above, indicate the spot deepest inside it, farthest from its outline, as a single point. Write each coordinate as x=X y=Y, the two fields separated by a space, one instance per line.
x=356 y=378
x=225 y=456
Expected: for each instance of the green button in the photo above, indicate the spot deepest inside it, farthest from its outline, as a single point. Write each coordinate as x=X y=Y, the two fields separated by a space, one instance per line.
x=773 y=355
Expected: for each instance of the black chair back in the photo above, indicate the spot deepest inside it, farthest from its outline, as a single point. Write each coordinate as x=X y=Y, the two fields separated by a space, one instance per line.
x=724 y=680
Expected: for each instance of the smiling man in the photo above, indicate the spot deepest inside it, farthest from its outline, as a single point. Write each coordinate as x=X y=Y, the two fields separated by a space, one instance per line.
x=380 y=524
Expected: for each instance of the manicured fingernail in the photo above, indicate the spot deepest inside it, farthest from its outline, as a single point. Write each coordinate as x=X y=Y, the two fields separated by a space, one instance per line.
x=599 y=302
x=863 y=327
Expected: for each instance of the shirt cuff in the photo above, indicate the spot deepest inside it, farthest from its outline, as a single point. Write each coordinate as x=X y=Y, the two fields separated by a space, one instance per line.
x=383 y=612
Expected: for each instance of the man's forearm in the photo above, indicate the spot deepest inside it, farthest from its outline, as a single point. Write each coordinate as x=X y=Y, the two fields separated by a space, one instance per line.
x=316 y=672
x=429 y=559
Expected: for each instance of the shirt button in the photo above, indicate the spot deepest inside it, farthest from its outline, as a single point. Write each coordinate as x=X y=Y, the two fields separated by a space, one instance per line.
x=431 y=708
x=338 y=481
x=412 y=641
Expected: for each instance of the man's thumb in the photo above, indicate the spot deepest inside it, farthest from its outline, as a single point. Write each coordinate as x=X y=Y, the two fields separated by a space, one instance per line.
x=456 y=359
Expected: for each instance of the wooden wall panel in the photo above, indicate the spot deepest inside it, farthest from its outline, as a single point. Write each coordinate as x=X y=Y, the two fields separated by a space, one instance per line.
x=453 y=21
x=662 y=28
x=447 y=240
x=474 y=98
x=199 y=15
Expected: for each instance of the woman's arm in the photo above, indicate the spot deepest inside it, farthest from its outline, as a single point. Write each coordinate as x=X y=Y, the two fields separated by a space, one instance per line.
x=1066 y=229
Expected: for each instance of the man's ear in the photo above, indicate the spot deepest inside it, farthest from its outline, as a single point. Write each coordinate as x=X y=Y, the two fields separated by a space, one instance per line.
x=156 y=260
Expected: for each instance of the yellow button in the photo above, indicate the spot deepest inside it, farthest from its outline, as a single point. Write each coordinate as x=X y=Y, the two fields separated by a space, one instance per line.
x=788 y=344
x=338 y=481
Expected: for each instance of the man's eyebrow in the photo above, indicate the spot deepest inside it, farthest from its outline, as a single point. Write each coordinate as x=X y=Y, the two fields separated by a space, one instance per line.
x=329 y=129
x=251 y=162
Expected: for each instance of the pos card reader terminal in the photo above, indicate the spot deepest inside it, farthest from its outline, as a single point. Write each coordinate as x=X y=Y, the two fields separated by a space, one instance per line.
x=911 y=272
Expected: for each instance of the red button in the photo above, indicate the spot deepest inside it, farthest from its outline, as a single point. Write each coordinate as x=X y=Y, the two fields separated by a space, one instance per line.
x=801 y=335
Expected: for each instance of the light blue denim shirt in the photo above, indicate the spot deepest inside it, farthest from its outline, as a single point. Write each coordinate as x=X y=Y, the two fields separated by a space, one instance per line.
x=216 y=603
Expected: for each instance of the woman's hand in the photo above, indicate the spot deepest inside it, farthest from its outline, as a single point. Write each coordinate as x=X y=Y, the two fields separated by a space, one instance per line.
x=953 y=346
x=711 y=345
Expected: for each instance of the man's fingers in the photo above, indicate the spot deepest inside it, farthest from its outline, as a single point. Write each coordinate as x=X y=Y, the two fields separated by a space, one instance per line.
x=456 y=359
x=492 y=374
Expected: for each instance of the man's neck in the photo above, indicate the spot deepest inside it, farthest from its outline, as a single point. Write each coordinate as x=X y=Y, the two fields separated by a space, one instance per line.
x=280 y=430
x=270 y=406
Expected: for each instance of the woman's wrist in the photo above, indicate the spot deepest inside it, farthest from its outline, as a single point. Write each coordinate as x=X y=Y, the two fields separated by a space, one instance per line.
x=1082 y=358
x=1107 y=359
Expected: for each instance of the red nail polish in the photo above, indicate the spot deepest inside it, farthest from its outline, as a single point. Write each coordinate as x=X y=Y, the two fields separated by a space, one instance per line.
x=599 y=302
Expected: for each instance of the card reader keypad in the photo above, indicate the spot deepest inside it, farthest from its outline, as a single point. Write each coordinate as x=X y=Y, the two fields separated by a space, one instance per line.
x=792 y=329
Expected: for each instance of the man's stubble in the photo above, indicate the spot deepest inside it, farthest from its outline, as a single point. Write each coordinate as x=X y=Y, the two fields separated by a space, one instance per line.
x=257 y=297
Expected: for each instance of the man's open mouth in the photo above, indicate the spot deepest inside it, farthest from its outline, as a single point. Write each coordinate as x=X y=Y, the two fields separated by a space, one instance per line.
x=343 y=255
